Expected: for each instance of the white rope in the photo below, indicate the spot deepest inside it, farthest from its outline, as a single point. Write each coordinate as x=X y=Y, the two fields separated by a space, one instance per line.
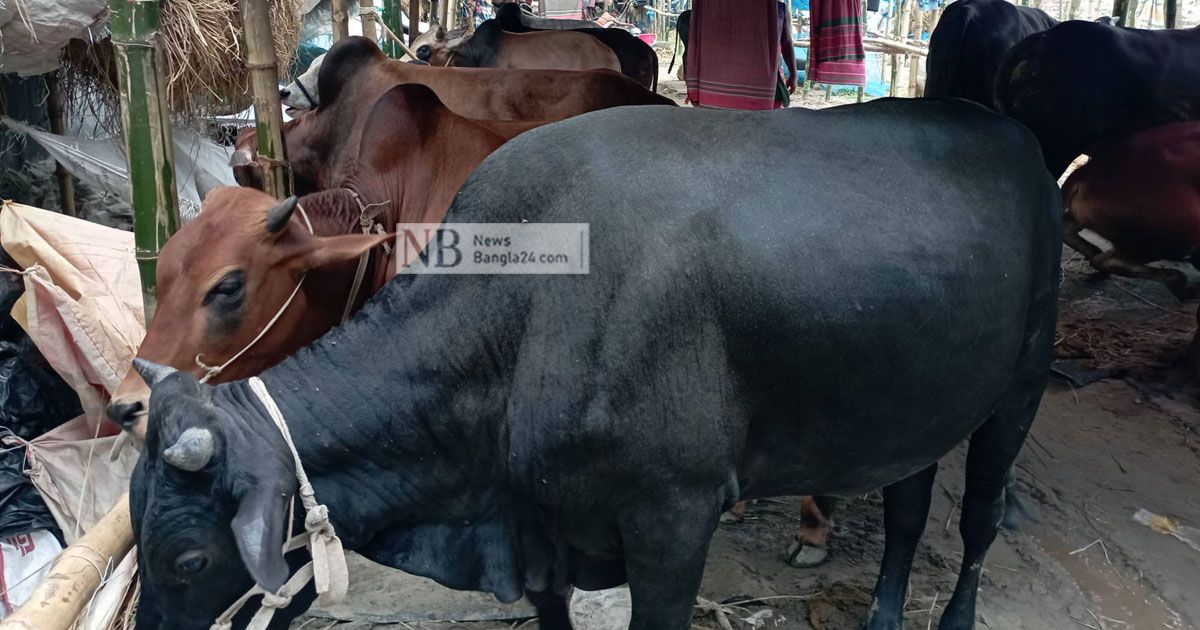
x=211 y=371
x=327 y=569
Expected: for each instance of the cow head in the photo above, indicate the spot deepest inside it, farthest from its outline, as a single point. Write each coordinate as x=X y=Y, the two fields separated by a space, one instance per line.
x=302 y=94
x=225 y=276
x=209 y=501
x=437 y=46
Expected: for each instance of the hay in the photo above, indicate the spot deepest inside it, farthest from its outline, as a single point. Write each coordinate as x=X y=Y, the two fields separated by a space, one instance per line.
x=201 y=43
x=201 y=52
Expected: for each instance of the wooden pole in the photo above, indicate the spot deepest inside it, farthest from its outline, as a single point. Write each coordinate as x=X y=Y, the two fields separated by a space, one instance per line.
x=391 y=20
x=76 y=573
x=1118 y=11
x=914 y=60
x=366 y=13
x=414 y=21
x=58 y=125
x=1131 y=14
x=341 y=21
x=264 y=90
x=146 y=130
x=1171 y=13
x=435 y=13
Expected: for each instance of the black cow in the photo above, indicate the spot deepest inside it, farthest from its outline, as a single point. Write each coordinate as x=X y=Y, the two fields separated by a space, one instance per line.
x=515 y=433
x=637 y=58
x=1082 y=83
x=971 y=38
x=511 y=14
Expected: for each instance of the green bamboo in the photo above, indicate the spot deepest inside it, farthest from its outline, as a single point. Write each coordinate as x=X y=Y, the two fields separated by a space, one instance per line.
x=391 y=18
x=146 y=129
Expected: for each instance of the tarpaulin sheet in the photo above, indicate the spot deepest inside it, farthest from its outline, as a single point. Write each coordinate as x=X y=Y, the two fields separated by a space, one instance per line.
x=101 y=163
x=33 y=31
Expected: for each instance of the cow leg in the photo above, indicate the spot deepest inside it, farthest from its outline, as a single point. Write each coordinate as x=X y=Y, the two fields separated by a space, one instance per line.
x=665 y=548
x=1111 y=262
x=809 y=548
x=905 y=510
x=993 y=450
x=1072 y=239
x=735 y=513
x=551 y=609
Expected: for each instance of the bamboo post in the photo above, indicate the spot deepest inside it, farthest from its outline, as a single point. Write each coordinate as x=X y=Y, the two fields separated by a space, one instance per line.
x=366 y=13
x=914 y=60
x=76 y=573
x=1118 y=11
x=391 y=20
x=146 y=130
x=58 y=125
x=264 y=91
x=1131 y=14
x=1171 y=13
x=341 y=21
x=434 y=13
x=414 y=21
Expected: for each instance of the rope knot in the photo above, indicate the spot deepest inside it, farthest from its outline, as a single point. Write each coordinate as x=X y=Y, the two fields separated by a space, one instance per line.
x=276 y=600
x=317 y=521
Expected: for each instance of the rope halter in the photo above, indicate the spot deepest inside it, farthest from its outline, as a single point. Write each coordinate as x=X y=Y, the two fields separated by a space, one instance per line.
x=327 y=569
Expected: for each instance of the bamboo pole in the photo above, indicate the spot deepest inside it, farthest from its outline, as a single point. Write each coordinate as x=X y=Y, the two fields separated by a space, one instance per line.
x=146 y=129
x=341 y=21
x=76 y=573
x=434 y=13
x=414 y=21
x=914 y=60
x=366 y=13
x=391 y=20
x=1118 y=11
x=1171 y=13
x=264 y=90
x=58 y=125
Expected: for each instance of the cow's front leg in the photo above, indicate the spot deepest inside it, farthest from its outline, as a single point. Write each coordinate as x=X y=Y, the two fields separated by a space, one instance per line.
x=665 y=545
x=1111 y=262
x=809 y=547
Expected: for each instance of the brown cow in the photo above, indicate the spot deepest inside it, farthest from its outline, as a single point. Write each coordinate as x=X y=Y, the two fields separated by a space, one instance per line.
x=354 y=74
x=493 y=47
x=224 y=276
x=1142 y=194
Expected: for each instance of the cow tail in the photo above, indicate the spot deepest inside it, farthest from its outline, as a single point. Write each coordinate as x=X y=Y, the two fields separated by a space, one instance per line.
x=674 y=51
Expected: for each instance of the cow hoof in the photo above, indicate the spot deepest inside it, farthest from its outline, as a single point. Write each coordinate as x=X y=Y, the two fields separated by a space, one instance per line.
x=729 y=518
x=805 y=555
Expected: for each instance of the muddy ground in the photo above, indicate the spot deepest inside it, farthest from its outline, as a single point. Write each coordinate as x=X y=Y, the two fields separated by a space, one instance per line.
x=1097 y=454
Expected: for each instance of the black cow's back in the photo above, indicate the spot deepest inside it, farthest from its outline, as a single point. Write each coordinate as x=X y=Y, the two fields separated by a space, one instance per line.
x=1082 y=83
x=966 y=48
x=885 y=293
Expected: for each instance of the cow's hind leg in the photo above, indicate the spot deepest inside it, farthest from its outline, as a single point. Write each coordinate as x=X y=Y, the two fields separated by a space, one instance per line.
x=1111 y=262
x=993 y=450
x=905 y=510
x=665 y=546
x=551 y=609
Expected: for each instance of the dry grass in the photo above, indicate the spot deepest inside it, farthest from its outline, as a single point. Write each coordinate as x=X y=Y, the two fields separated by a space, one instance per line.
x=201 y=47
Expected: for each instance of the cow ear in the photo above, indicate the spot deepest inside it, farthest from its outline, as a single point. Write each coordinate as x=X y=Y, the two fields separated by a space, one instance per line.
x=440 y=34
x=322 y=251
x=258 y=529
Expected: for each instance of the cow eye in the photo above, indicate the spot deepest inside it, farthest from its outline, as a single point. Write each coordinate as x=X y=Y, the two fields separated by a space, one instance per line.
x=423 y=53
x=190 y=563
x=228 y=289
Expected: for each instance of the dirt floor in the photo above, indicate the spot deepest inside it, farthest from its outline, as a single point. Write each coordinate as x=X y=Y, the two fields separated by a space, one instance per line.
x=1096 y=455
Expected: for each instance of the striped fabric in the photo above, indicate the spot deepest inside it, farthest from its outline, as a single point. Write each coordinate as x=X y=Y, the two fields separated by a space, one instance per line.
x=836 y=46
x=733 y=54
x=563 y=9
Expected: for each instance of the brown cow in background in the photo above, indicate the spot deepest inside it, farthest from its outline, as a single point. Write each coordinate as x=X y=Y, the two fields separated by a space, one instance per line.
x=1142 y=194
x=224 y=276
x=492 y=47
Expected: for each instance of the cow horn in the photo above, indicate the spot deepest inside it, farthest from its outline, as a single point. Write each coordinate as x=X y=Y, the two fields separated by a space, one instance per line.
x=279 y=214
x=192 y=450
x=205 y=183
x=152 y=372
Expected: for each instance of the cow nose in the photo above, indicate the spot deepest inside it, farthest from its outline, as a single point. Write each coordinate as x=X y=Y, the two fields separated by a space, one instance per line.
x=284 y=92
x=125 y=413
